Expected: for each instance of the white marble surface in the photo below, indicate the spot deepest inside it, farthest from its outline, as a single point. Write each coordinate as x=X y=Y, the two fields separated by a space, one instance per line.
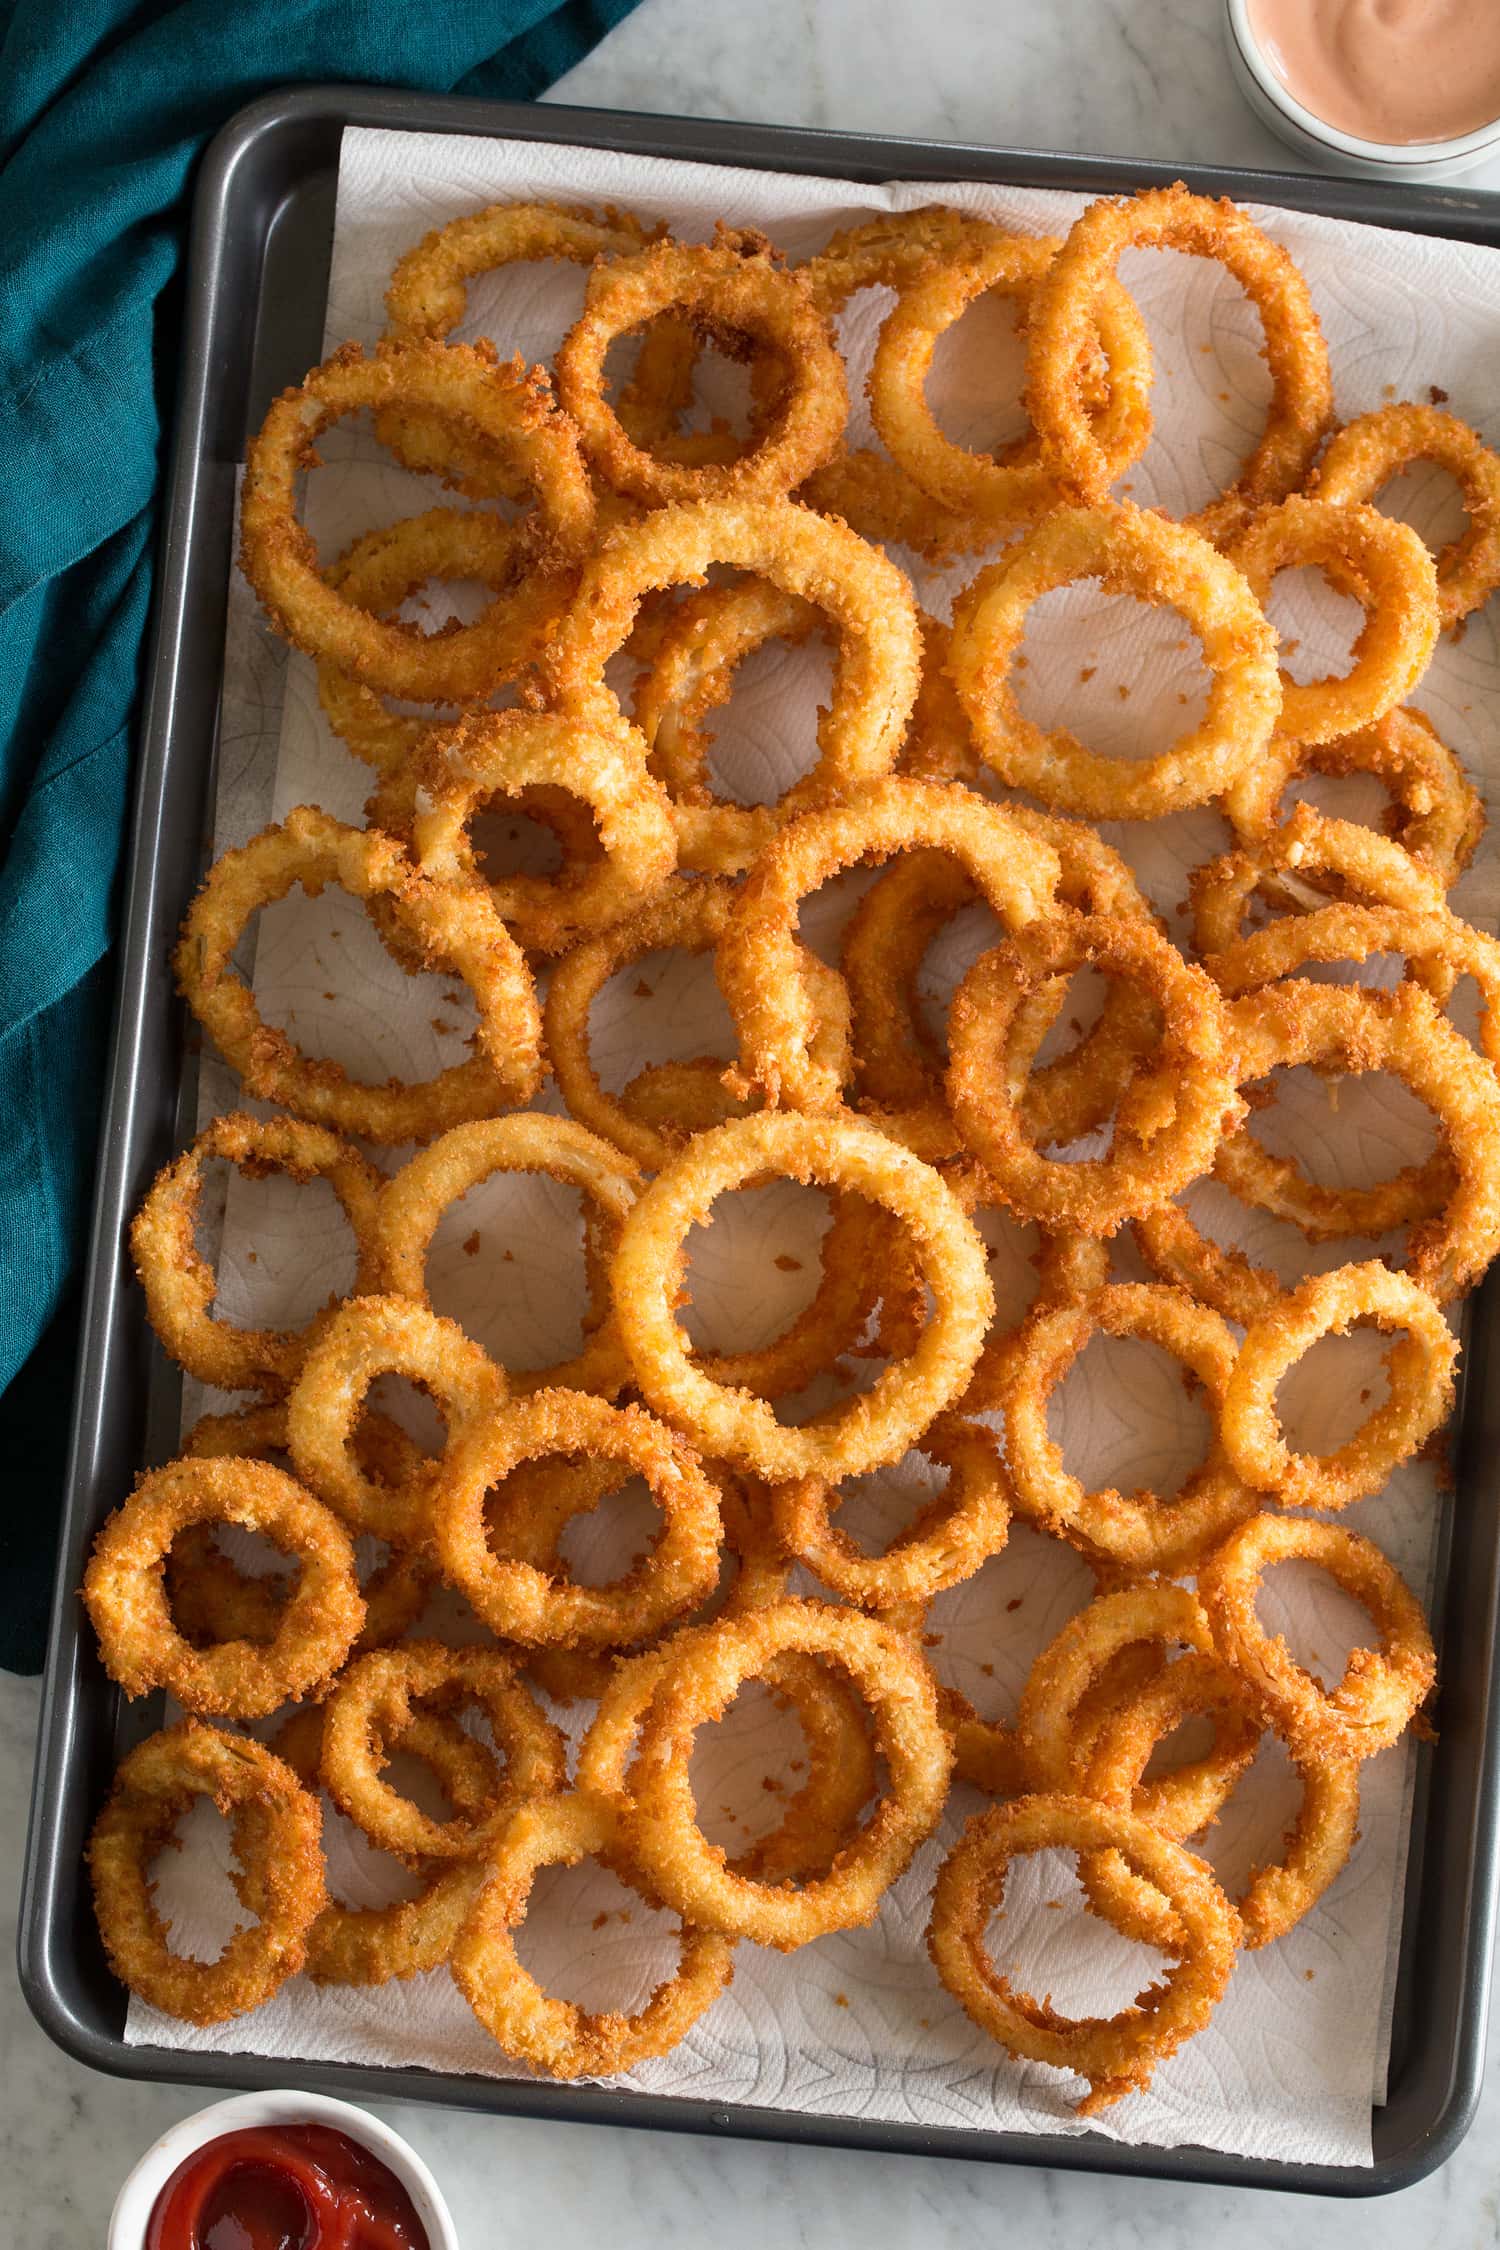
x=1134 y=77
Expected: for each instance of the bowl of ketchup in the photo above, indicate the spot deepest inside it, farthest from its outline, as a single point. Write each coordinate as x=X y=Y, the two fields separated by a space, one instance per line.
x=281 y=2171
x=1384 y=89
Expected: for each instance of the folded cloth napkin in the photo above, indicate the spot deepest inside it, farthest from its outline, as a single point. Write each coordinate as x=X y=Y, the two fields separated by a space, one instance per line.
x=105 y=106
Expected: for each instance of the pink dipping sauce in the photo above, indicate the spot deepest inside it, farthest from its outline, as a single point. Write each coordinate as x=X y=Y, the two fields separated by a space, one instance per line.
x=1397 y=71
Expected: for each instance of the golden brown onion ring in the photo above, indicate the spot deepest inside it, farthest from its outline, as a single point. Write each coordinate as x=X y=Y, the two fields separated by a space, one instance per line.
x=1375 y=447
x=733 y=1425
x=1381 y=1690
x=510 y=409
x=180 y=1285
x=733 y=287
x=1116 y=2054
x=1130 y=552
x=415 y=1199
x=661 y=1826
x=1062 y=327
x=1385 y=566
x=126 y=1600
x=1421 y=1386
x=157 y=1782
x=453 y=927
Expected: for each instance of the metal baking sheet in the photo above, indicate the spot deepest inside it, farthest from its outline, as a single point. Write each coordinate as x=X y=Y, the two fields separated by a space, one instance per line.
x=258 y=264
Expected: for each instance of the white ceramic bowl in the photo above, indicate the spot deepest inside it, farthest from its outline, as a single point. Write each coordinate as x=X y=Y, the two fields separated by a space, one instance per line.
x=133 y=2205
x=1323 y=145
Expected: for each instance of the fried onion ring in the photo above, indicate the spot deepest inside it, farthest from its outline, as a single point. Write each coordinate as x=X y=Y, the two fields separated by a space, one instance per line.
x=688 y=917
x=1062 y=327
x=124 y=1593
x=180 y=1285
x=1116 y=2054
x=512 y=412
x=820 y=1813
x=886 y=941
x=1131 y=552
x=157 y=1782
x=369 y=1945
x=1389 y=572
x=661 y=1830
x=557 y=2036
x=430 y=802
x=370 y=1710
x=1316 y=1846
x=416 y=1197
x=368 y=1337
x=427 y=298
x=1381 y=1690
x=733 y=287
x=960 y=1529
x=758 y=958
x=1421 y=1386
x=1435 y=813
x=869 y=601
x=384 y=568
x=1013 y=484
x=1187 y=1091
x=522 y=1603
x=733 y=1425
x=1139 y=1531
x=452 y=925
x=1375 y=447
x=213 y=1600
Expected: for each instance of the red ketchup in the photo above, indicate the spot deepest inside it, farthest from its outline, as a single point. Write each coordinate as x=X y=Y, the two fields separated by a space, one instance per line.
x=284 y=2187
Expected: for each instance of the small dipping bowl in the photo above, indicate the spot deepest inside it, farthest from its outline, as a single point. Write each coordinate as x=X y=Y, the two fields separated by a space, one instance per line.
x=137 y=2198
x=1324 y=145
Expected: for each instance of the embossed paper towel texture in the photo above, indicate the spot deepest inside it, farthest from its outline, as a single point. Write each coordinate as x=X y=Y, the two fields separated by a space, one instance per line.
x=857 y=2025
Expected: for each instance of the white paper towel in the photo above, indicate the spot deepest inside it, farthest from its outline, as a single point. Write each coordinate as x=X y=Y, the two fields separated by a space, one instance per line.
x=857 y=2025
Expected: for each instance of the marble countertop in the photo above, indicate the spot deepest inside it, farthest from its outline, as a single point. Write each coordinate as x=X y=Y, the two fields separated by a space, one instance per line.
x=1141 y=78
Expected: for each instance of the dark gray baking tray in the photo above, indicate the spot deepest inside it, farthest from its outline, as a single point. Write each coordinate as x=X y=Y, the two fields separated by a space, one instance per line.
x=262 y=229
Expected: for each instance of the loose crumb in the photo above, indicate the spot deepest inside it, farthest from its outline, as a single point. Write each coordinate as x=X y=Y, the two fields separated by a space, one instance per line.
x=1387 y=390
x=440 y=1027
x=1088 y=672
x=786 y=1263
x=1437 y=394
x=251 y=1258
x=1014 y=1604
x=988 y=1670
x=330 y=996
x=932 y=1640
x=1290 y=647
x=841 y=1999
x=1023 y=663
x=1123 y=692
x=599 y=1921
x=1309 y=1974
x=1054 y=1905
x=470 y=1244
x=774 y=1787
x=508 y=1256
x=643 y=991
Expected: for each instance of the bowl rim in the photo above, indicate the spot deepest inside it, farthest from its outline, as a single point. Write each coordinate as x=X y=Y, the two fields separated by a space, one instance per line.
x=1409 y=153
x=274 y=2106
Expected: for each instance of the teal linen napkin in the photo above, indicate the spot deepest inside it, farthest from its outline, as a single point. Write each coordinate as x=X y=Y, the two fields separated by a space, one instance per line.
x=104 y=108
